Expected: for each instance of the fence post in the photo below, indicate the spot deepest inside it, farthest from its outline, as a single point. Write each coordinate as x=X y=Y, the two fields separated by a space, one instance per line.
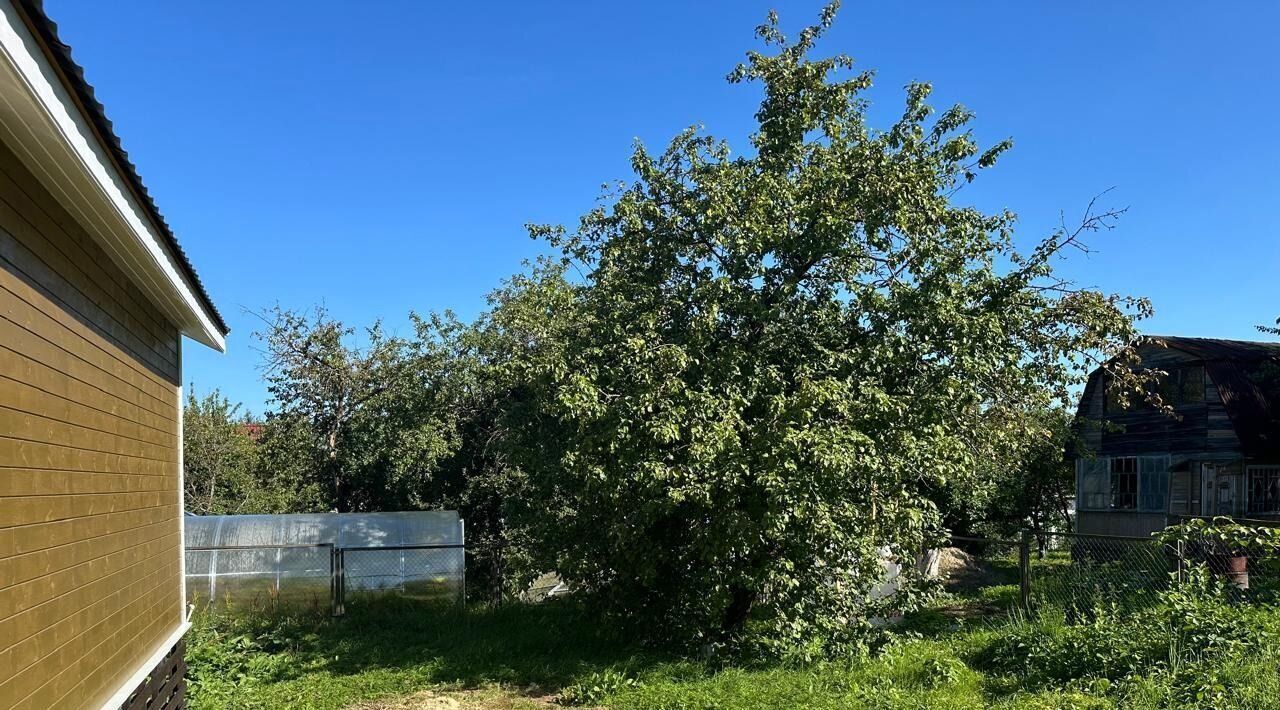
x=1024 y=569
x=342 y=581
x=333 y=581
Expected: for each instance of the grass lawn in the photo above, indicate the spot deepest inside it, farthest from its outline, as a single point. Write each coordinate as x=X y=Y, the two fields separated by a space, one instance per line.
x=402 y=655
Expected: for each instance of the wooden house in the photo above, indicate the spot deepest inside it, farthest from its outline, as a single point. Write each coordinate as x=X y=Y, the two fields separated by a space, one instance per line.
x=95 y=295
x=1140 y=468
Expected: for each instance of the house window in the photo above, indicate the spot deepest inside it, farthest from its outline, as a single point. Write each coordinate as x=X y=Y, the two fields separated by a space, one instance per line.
x=1183 y=385
x=1094 y=493
x=1138 y=483
x=1264 y=489
x=1113 y=400
x=1124 y=483
x=1153 y=482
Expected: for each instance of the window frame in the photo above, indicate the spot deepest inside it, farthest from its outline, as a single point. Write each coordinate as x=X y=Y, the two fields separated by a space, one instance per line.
x=1115 y=479
x=1100 y=469
x=1272 y=471
x=1101 y=474
x=1172 y=389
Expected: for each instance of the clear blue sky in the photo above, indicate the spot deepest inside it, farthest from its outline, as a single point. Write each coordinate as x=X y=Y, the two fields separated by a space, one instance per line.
x=381 y=157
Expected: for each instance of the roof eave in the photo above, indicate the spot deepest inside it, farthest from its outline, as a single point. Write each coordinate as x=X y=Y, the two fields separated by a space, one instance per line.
x=51 y=121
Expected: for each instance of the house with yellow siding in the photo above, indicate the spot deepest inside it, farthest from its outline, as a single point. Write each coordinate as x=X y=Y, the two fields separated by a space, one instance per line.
x=95 y=297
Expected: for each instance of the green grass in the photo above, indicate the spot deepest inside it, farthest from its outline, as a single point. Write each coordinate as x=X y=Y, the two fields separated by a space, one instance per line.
x=388 y=646
x=521 y=656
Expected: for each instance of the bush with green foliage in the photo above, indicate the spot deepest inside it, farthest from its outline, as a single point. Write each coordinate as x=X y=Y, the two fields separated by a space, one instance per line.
x=221 y=459
x=1223 y=535
x=1174 y=650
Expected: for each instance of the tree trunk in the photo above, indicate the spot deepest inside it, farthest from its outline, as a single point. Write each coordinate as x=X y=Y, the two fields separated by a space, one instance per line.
x=331 y=443
x=497 y=582
x=739 y=610
x=213 y=489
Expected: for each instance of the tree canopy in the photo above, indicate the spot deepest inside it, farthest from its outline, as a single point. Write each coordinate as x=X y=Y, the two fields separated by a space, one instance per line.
x=775 y=355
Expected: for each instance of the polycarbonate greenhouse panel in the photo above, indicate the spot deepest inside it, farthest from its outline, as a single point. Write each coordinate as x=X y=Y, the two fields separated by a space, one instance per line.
x=252 y=563
x=304 y=575
x=430 y=530
x=199 y=567
x=309 y=529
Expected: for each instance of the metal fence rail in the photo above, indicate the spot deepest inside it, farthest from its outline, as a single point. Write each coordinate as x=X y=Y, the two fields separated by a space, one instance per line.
x=283 y=573
x=417 y=570
x=1078 y=572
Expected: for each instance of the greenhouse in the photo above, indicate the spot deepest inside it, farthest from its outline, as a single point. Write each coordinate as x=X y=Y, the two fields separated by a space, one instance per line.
x=323 y=558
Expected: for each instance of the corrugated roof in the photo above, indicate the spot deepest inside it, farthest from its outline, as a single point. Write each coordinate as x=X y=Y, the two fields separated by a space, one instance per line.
x=72 y=75
x=1219 y=349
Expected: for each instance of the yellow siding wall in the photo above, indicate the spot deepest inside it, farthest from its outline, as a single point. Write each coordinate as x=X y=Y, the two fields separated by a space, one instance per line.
x=89 y=508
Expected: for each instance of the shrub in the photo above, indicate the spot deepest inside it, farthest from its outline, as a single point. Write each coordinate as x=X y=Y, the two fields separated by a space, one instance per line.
x=1046 y=651
x=232 y=650
x=1204 y=622
x=596 y=687
x=1179 y=652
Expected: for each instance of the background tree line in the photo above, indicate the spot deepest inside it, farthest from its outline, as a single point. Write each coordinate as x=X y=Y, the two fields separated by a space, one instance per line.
x=769 y=368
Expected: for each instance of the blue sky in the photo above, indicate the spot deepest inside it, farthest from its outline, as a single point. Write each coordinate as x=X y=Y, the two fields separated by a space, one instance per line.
x=382 y=157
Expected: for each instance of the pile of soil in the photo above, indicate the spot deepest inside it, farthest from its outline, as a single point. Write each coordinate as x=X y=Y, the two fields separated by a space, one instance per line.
x=962 y=572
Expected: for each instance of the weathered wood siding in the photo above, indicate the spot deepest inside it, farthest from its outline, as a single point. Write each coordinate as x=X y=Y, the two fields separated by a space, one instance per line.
x=1202 y=430
x=1202 y=433
x=1125 y=523
x=89 y=507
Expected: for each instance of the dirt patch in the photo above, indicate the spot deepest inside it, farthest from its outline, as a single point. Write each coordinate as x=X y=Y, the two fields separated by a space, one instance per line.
x=971 y=611
x=488 y=699
x=426 y=700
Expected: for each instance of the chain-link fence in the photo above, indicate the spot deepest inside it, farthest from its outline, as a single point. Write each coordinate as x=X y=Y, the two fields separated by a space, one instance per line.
x=1077 y=573
x=421 y=571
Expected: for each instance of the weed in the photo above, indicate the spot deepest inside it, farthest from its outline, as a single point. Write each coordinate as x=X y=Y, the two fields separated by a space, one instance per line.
x=593 y=689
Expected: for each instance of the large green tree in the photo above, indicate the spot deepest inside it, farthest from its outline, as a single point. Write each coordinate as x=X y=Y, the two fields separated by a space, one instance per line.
x=334 y=391
x=528 y=318
x=376 y=422
x=773 y=356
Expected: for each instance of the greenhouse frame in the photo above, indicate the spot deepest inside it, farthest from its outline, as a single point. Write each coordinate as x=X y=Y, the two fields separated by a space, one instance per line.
x=323 y=558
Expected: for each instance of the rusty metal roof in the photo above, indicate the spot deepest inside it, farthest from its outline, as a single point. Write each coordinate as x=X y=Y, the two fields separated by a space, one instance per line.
x=72 y=76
